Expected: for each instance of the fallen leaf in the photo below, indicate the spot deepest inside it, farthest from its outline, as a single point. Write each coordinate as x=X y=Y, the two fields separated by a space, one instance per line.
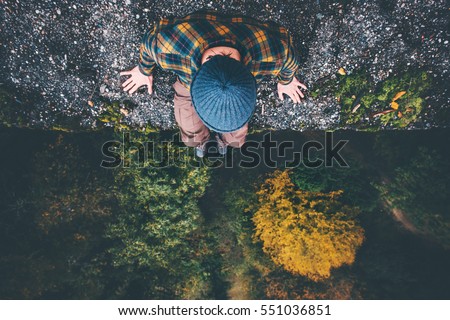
x=399 y=114
x=409 y=110
x=124 y=111
x=382 y=112
x=90 y=103
x=356 y=107
x=342 y=72
x=398 y=95
x=394 y=105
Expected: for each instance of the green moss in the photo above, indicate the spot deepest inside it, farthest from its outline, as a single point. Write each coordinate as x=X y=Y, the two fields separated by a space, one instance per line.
x=257 y=130
x=60 y=128
x=365 y=104
x=114 y=115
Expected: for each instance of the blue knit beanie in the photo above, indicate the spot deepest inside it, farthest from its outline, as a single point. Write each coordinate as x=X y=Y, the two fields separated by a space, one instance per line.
x=224 y=94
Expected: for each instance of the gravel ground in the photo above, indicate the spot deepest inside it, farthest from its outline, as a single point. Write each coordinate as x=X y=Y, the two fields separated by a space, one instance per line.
x=61 y=54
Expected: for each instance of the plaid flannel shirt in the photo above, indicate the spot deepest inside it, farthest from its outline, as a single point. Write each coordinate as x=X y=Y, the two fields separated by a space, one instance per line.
x=178 y=44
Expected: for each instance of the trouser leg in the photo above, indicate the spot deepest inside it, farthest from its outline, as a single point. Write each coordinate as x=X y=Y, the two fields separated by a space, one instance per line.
x=193 y=131
x=236 y=138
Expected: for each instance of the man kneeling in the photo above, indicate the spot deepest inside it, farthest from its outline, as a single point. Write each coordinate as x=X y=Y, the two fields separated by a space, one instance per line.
x=218 y=60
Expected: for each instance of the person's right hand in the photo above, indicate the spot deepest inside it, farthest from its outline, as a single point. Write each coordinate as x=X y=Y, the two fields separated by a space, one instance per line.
x=137 y=80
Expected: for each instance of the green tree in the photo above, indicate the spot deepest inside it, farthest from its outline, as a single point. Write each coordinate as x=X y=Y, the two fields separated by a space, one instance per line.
x=421 y=189
x=157 y=234
x=58 y=226
x=353 y=180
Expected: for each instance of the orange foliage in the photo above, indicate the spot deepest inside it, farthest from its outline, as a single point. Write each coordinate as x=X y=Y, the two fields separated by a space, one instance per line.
x=308 y=233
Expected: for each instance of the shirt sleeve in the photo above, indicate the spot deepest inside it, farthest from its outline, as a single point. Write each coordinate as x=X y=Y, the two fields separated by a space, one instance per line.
x=290 y=66
x=146 y=60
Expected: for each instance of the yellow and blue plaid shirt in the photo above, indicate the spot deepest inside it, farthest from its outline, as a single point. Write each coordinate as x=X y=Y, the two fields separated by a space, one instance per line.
x=178 y=44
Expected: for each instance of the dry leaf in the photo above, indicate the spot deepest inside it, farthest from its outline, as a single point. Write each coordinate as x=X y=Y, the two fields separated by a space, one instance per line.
x=399 y=114
x=399 y=95
x=382 y=112
x=342 y=72
x=409 y=110
x=90 y=103
x=124 y=111
x=394 y=105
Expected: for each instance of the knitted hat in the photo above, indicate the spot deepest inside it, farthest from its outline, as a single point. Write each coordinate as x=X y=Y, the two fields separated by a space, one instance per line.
x=224 y=94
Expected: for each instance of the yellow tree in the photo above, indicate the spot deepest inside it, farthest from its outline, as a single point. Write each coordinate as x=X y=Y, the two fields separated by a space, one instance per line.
x=308 y=233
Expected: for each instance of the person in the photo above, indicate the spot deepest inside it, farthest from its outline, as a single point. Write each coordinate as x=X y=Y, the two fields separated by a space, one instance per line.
x=218 y=59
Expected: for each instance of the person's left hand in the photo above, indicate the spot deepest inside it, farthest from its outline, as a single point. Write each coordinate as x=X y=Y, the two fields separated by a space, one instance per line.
x=292 y=90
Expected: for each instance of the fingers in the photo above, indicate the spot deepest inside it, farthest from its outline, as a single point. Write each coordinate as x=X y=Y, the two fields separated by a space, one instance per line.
x=294 y=96
x=150 y=84
x=297 y=97
x=128 y=72
x=134 y=89
x=280 y=95
x=291 y=95
x=300 y=93
x=298 y=83
x=130 y=86
x=294 y=93
x=302 y=85
x=137 y=80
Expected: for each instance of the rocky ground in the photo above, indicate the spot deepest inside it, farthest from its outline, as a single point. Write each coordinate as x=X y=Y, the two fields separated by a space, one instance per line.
x=61 y=59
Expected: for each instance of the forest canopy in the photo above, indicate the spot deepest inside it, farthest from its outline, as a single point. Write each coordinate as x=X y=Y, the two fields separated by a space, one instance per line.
x=70 y=229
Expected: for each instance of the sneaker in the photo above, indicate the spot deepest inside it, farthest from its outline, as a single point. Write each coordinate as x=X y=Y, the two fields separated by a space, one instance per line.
x=221 y=146
x=200 y=150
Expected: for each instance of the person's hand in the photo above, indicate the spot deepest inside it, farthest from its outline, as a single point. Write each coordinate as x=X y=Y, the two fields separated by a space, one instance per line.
x=292 y=90
x=137 y=80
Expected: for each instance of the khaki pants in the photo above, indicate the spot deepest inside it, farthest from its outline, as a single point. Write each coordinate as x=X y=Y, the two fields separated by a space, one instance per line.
x=193 y=130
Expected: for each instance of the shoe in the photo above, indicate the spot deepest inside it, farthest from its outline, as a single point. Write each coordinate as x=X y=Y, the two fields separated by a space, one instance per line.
x=221 y=145
x=200 y=150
